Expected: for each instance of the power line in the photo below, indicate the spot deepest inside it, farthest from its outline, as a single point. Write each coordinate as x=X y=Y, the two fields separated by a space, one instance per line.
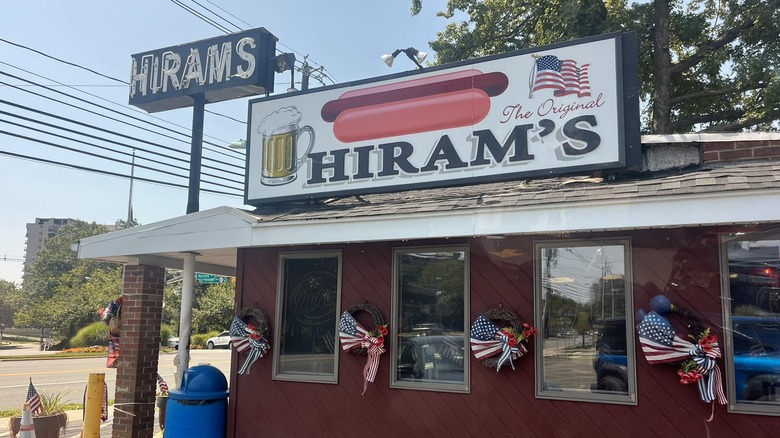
x=223 y=10
x=104 y=115
x=105 y=172
x=202 y=17
x=76 y=122
x=97 y=73
x=221 y=17
x=134 y=109
x=102 y=139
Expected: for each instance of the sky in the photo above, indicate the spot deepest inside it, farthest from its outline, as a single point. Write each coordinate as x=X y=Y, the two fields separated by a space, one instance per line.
x=345 y=37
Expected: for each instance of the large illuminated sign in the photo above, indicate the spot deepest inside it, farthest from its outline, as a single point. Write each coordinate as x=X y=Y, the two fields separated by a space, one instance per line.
x=227 y=67
x=564 y=108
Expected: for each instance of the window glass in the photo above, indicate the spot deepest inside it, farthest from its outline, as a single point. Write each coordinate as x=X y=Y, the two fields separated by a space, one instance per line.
x=430 y=307
x=307 y=317
x=585 y=346
x=752 y=289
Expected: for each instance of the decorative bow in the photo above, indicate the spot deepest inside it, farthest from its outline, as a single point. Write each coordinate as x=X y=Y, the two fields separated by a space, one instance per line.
x=489 y=339
x=245 y=337
x=353 y=335
x=710 y=385
x=661 y=344
x=510 y=349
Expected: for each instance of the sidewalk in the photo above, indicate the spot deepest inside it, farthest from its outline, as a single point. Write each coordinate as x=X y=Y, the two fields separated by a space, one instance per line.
x=75 y=421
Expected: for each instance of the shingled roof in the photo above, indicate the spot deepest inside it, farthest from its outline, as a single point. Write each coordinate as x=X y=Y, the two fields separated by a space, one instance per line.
x=709 y=180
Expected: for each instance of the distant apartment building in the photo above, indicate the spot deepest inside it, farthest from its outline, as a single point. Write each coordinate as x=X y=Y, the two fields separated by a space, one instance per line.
x=38 y=233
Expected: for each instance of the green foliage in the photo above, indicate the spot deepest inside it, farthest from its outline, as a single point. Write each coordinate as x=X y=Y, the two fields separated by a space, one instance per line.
x=722 y=59
x=53 y=402
x=93 y=334
x=199 y=340
x=214 y=309
x=10 y=297
x=166 y=332
x=64 y=293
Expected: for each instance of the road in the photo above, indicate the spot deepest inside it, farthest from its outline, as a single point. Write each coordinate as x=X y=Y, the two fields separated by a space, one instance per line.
x=69 y=376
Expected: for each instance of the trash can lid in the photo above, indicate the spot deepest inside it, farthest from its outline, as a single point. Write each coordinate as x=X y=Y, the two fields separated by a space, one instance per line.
x=204 y=378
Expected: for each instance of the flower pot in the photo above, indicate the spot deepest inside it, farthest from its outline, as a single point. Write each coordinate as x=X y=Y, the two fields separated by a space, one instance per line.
x=46 y=426
x=162 y=402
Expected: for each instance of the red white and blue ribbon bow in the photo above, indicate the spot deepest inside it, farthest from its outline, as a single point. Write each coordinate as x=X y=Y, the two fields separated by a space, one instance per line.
x=353 y=335
x=488 y=339
x=245 y=337
x=661 y=344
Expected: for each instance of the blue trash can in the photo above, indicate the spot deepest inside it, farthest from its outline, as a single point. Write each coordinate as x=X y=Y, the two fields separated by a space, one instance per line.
x=199 y=408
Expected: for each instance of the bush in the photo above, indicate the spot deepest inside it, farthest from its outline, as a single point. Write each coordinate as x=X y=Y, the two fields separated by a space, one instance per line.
x=166 y=332
x=199 y=340
x=93 y=334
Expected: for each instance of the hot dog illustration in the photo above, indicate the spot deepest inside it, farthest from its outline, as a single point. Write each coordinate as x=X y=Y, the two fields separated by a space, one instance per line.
x=439 y=102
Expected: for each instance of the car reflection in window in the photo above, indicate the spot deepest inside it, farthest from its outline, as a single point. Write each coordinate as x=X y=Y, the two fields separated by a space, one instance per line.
x=756 y=357
x=431 y=358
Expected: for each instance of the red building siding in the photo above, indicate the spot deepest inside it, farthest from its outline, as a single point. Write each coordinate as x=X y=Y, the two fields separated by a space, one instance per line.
x=682 y=263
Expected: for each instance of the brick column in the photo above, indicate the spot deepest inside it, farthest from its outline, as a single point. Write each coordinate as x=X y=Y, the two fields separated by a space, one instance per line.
x=139 y=347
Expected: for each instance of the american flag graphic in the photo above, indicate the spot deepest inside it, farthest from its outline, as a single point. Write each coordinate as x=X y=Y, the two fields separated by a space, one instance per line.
x=660 y=342
x=239 y=335
x=33 y=399
x=351 y=333
x=564 y=77
x=245 y=339
x=483 y=338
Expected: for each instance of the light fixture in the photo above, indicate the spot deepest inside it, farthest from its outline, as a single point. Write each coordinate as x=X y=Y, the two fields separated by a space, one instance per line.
x=415 y=55
x=284 y=62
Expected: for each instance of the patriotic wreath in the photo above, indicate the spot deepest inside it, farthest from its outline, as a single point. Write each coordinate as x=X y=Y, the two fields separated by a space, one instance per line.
x=661 y=344
x=358 y=340
x=496 y=344
x=249 y=338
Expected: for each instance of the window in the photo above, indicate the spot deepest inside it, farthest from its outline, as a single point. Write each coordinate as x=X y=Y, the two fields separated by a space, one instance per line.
x=430 y=310
x=584 y=313
x=751 y=310
x=306 y=335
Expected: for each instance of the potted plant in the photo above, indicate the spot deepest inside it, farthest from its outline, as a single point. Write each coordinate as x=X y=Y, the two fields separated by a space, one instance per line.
x=50 y=421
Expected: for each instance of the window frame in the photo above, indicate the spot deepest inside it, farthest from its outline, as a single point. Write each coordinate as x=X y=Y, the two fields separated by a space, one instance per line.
x=631 y=368
x=276 y=374
x=395 y=382
x=733 y=405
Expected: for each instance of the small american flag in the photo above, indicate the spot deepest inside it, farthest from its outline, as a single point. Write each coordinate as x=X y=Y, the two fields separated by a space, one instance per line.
x=351 y=333
x=162 y=385
x=33 y=399
x=659 y=340
x=483 y=337
x=562 y=76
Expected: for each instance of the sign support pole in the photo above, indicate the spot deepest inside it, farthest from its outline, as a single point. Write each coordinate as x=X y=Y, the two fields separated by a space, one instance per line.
x=196 y=152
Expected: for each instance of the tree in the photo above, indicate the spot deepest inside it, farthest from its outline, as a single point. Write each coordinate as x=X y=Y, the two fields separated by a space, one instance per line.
x=63 y=293
x=214 y=309
x=704 y=65
x=9 y=303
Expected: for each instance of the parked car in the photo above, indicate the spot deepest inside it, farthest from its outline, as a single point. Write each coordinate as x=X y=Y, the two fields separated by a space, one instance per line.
x=221 y=340
x=432 y=358
x=173 y=342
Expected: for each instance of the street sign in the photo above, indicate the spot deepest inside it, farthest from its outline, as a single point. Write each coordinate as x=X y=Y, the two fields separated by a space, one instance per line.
x=210 y=278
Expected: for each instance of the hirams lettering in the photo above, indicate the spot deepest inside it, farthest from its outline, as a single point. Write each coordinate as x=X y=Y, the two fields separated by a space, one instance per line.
x=160 y=73
x=393 y=159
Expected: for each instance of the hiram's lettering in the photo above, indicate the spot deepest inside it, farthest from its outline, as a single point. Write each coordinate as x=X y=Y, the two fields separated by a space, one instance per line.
x=395 y=158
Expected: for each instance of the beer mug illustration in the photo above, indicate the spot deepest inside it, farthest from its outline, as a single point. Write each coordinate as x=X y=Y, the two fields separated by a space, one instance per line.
x=280 y=137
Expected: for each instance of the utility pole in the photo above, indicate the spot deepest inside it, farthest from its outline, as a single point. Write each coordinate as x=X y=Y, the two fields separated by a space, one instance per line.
x=130 y=196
